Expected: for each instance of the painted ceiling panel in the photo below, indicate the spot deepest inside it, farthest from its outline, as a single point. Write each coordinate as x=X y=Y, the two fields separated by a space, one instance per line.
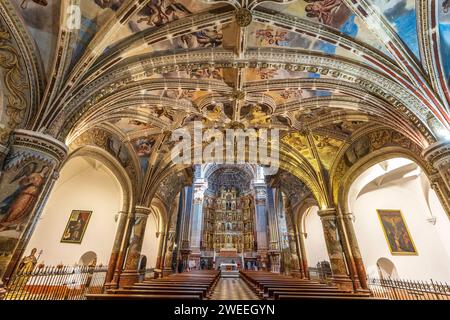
x=263 y=35
x=401 y=15
x=334 y=14
x=95 y=13
x=43 y=24
x=444 y=36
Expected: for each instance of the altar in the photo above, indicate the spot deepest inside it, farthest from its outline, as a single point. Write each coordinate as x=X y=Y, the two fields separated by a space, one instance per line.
x=229 y=270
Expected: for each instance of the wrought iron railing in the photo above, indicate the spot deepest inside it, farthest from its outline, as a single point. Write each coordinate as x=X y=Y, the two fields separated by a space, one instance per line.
x=56 y=283
x=399 y=289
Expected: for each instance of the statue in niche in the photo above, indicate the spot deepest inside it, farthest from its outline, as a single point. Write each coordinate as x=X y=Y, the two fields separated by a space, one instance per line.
x=233 y=205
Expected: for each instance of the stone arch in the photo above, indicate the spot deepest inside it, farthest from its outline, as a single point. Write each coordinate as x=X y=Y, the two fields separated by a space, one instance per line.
x=88 y=258
x=116 y=169
x=378 y=156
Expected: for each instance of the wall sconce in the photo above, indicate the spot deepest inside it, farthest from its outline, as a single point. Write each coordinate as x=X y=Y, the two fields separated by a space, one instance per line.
x=432 y=220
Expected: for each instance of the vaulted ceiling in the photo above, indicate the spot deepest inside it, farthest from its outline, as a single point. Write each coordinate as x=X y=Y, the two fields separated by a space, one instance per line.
x=322 y=71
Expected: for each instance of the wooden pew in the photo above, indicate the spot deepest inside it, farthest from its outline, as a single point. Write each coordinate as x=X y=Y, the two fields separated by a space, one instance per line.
x=106 y=296
x=275 y=286
x=195 y=285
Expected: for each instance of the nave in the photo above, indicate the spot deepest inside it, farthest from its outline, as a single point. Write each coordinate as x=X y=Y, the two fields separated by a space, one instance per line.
x=146 y=145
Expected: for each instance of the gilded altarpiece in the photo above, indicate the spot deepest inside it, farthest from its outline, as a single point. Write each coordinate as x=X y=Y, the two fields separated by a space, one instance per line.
x=228 y=222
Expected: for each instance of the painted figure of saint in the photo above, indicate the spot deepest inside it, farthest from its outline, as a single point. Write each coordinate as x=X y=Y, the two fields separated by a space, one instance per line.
x=322 y=9
x=15 y=209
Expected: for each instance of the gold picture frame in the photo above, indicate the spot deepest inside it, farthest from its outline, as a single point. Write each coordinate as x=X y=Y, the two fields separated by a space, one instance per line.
x=76 y=226
x=396 y=232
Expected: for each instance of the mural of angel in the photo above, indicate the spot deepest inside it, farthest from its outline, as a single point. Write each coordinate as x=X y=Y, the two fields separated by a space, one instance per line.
x=270 y=36
x=267 y=73
x=162 y=113
x=291 y=93
x=216 y=114
x=15 y=208
x=208 y=38
x=322 y=9
x=112 y=4
x=179 y=93
x=159 y=12
x=257 y=116
x=208 y=73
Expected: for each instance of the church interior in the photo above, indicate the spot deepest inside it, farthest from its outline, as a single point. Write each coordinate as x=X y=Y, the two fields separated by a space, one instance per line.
x=93 y=205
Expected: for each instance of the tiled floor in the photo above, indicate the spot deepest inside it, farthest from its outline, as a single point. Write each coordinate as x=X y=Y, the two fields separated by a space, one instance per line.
x=232 y=289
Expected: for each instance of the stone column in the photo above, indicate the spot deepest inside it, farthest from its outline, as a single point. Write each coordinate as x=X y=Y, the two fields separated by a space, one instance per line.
x=170 y=241
x=274 y=235
x=185 y=250
x=29 y=173
x=131 y=275
x=159 y=258
x=353 y=242
x=334 y=247
x=261 y=222
x=118 y=240
x=196 y=222
x=348 y=253
x=302 y=250
x=438 y=155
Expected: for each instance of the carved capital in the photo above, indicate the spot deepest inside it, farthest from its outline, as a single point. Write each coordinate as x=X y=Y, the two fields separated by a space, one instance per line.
x=438 y=154
x=142 y=212
x=42 y=146
x=327 y=214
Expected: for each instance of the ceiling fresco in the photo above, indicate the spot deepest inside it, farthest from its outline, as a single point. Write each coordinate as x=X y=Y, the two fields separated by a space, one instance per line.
x=96 y=13
x=334 y=14
x=42 y=22
x=323 y=72
x=443 y=15
x=401 y=15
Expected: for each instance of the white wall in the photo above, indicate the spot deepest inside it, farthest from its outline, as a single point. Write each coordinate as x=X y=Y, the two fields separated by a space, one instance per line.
x=84 y=184
x=432 y=241
x=315 y=246
x=150 y=244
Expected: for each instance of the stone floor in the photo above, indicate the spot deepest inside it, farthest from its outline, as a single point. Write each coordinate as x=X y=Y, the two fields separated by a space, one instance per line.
x=232 y=289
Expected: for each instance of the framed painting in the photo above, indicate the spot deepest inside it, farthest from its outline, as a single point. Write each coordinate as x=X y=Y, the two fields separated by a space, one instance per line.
x=76 y=226
x=396 y=232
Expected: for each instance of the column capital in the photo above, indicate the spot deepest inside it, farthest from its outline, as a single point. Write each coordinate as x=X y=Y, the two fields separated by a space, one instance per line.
x=142 y=211
x=327 y=213
x=40 y=143
x=438 y=153
x=348 y=215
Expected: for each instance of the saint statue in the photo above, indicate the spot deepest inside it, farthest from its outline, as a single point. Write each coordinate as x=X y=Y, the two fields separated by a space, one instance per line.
x=28 y=263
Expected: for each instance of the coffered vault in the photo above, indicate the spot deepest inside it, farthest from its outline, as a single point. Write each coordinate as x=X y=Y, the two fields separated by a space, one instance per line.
x=122 y=75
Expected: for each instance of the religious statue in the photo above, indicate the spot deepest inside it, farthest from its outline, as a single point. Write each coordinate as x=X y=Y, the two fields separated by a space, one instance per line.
x=28 y=263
